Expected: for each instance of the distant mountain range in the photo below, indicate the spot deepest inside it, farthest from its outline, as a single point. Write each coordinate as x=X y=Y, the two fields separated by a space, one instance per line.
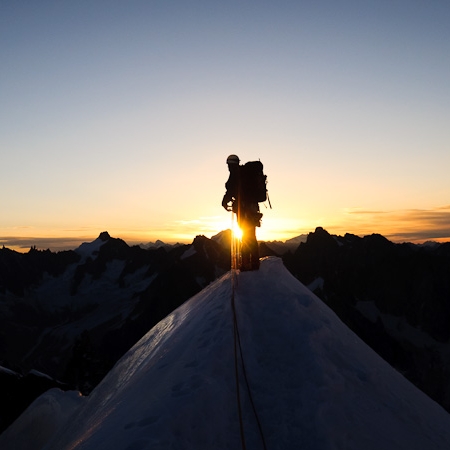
x=280 y=247
x=71 y=315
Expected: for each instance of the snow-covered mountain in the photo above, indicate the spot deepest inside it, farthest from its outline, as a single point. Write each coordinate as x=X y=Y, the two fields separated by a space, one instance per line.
x=73 y=314
x=106 y=285
x=313 y=382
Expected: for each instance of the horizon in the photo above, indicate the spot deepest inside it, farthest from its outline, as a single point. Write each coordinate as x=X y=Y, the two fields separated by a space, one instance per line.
x=121 y=117
x=56 y=244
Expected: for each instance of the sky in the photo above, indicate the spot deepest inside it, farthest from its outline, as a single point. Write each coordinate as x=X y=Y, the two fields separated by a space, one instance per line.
x=314 y=384
x=119 y=117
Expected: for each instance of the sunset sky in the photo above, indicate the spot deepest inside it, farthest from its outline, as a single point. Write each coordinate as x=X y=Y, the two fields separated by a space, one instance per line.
x=119 y=116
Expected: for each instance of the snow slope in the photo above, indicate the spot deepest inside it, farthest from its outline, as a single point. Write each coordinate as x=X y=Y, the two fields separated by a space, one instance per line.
x=40 y=420
x=314 y=383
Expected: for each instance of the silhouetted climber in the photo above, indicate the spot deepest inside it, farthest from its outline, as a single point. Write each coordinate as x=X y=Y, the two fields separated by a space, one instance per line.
x=246 y=187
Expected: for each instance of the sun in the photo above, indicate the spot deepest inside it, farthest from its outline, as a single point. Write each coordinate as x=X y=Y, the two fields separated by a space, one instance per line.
x=227 y=224
x=237 y=232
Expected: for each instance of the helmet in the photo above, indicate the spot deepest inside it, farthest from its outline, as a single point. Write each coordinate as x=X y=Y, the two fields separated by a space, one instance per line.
x=233 y=159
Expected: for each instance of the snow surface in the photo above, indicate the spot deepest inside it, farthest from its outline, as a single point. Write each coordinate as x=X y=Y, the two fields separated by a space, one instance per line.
x=315 y=384
x=113 y=303
x=40 y=421
x=189 y=252
x=8 y=371
x=89 y=249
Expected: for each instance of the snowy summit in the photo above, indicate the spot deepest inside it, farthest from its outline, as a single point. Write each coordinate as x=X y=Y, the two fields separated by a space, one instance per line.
x=313 y=383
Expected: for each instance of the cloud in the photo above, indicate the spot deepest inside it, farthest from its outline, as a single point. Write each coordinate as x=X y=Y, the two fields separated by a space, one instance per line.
x=414 y=225
x=42 y=243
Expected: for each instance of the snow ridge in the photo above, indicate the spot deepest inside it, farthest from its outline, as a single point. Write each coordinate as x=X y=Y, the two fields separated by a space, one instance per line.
x=315 y=384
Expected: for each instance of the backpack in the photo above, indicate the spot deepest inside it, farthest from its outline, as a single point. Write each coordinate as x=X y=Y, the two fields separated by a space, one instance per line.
x=253 y=182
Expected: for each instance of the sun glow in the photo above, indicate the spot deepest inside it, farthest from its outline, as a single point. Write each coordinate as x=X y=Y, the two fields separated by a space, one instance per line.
x=237 y=232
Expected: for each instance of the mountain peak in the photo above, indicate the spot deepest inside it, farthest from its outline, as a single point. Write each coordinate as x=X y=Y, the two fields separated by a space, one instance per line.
x=104 y=236
x=89 y=249
x=314 y=383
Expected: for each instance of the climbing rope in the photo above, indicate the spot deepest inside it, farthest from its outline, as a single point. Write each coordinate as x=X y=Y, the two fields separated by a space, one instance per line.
x=238 y=354
x=236 y=362
x=235 y=245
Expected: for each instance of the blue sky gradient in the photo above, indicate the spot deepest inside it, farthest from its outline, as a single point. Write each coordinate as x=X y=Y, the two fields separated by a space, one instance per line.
x=119 y=116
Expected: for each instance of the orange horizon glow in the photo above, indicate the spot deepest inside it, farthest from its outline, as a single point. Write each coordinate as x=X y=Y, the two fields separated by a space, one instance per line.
x=416 y=226
x=413 y=225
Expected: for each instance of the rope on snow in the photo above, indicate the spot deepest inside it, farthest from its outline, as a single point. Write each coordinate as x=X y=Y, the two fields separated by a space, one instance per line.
x=238 y=354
